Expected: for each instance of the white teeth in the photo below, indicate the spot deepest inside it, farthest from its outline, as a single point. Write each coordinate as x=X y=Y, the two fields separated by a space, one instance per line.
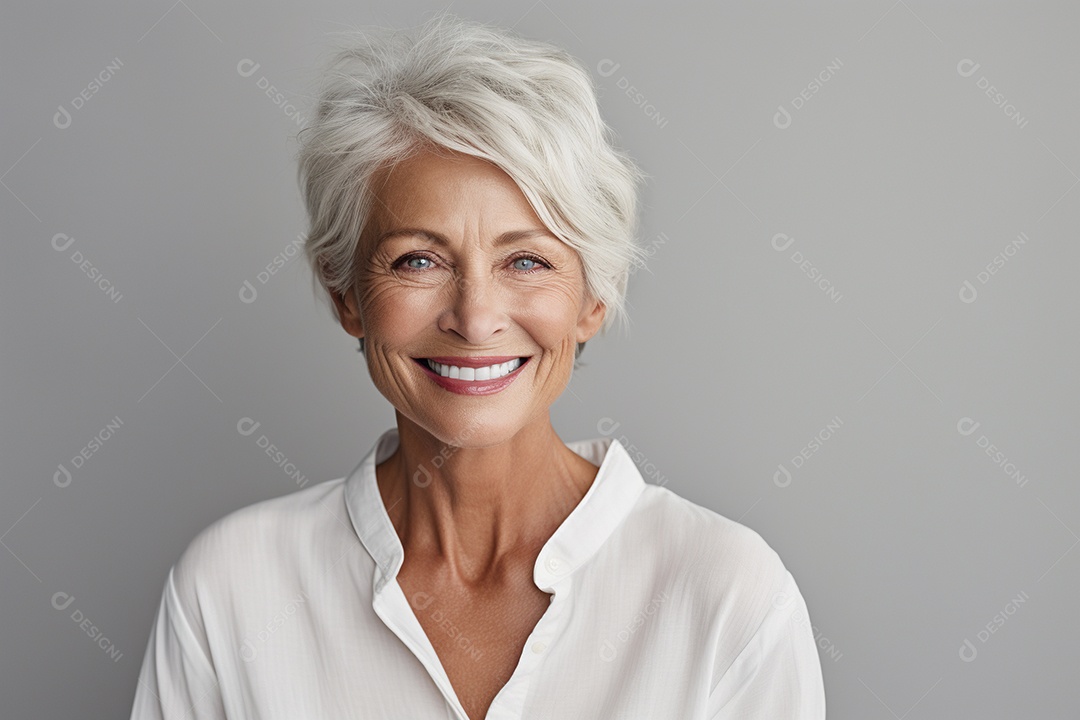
x=491 y=372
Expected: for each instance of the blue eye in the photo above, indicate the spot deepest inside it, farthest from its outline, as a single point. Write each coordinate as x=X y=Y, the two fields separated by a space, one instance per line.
x=408 y=263
x=536 y=263
x=417 y=257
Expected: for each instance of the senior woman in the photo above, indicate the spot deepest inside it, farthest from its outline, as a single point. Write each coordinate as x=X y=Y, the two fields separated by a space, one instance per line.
x=474 y=227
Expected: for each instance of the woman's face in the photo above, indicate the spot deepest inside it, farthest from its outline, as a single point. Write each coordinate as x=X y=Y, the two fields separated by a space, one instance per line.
x=467 y=295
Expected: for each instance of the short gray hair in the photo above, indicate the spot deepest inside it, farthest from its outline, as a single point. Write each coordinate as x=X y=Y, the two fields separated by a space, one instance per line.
x=527 y=106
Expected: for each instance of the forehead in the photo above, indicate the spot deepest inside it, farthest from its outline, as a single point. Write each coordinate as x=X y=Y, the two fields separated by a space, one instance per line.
x=450 y=190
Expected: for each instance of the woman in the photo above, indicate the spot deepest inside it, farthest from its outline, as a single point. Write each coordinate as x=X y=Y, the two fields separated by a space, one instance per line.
x=474 y=228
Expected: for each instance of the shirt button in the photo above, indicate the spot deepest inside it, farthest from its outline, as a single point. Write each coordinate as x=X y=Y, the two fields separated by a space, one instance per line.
x=539 y=647
x=554 y=565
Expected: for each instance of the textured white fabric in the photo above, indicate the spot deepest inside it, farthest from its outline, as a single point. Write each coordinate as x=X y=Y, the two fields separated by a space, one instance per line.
x=289 y=609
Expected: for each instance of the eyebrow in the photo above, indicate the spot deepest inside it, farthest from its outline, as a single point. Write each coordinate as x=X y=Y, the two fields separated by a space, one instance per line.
x=507 y=237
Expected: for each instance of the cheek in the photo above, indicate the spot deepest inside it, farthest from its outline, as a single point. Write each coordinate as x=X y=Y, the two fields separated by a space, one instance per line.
x=548 y=313
x=395 y=312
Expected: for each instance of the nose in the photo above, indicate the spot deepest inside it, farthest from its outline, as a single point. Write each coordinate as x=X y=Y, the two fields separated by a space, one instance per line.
x=475 y=309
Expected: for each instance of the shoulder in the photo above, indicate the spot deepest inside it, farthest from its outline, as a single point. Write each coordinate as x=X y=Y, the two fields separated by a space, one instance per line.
x=725 y=554
x=731 y=579
x=247 y=547
x=727 y=574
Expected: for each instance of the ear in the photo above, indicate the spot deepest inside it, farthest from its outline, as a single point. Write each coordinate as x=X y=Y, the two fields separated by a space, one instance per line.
x=590 y=320
x=348 y=312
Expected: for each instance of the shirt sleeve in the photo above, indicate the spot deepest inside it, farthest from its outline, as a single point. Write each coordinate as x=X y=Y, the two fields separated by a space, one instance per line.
x=177 y=679
x=777 y=676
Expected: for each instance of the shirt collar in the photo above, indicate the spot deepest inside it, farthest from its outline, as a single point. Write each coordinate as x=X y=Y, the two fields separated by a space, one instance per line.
x=608 y=501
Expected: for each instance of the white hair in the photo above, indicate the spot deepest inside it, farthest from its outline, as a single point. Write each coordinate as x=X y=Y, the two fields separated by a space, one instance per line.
x=527 y=106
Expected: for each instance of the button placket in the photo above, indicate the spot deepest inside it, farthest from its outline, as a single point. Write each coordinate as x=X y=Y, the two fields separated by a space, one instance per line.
x=551 y=620
x=510 y=700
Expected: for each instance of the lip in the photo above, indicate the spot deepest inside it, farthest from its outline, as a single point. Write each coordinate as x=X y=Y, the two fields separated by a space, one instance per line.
x=473 y=387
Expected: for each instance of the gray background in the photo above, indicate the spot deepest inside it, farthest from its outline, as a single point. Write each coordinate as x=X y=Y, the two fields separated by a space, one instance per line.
x=898 y=179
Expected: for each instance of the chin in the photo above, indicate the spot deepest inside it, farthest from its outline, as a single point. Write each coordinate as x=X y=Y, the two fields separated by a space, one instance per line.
x=474 y=432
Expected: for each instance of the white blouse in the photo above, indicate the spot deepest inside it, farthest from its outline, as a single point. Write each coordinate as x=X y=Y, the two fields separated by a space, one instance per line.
x=289 y=609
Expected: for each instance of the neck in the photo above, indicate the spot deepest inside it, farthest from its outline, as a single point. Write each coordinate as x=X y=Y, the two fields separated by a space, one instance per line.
x=478 y=514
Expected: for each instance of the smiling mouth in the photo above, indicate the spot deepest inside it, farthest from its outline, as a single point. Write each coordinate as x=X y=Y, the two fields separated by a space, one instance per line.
x=477 y=374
